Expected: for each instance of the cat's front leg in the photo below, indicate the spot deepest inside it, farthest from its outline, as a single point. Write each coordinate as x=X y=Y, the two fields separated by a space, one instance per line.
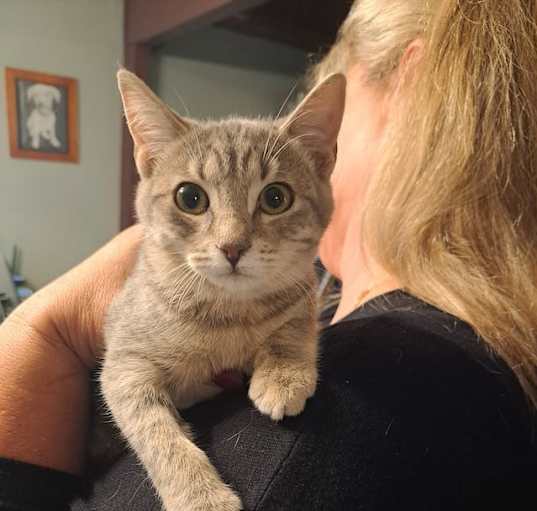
x=142 y=408
x=285 y=369
x=184 y=398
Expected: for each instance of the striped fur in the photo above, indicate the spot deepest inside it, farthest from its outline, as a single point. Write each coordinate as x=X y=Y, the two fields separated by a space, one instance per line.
x=183 y=315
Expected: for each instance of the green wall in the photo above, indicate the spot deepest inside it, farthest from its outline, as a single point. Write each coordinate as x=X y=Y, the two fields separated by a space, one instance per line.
x=58 y=213
x=217 y=72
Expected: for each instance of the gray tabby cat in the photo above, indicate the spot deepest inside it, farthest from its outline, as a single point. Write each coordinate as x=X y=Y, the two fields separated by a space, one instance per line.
x=232 y=213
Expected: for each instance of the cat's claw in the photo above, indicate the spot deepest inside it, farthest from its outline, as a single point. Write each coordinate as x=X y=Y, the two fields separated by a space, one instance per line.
x=279 y=392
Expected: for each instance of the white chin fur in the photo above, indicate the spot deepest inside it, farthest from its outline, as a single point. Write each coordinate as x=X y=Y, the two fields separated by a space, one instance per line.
x=250 y=280
x=237 y=284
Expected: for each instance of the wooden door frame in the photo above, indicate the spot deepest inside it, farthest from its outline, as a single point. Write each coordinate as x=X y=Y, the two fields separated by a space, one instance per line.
x=147 y=23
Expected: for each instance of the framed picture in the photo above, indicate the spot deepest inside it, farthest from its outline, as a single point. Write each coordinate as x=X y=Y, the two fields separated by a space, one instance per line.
x=42 y=112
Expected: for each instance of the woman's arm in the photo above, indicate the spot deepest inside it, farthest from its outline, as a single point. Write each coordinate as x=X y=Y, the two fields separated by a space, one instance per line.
x=47 y=347
x=43 y=396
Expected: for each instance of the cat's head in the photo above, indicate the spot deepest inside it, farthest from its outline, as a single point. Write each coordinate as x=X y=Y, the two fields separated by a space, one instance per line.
x=242 y=203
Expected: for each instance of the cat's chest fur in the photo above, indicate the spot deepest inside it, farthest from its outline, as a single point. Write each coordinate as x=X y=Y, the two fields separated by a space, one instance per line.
x=193 y=341
x=216 y=338
x=210 y=351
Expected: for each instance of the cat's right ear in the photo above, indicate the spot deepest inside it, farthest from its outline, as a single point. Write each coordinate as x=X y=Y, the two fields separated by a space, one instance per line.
x=317 y=119
x=151 y=123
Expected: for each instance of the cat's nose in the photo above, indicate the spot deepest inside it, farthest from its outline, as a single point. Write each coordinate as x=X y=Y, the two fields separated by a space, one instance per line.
x=233 y=253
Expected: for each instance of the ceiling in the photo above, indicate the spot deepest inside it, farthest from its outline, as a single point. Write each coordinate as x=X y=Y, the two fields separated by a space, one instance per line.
x=310 y=25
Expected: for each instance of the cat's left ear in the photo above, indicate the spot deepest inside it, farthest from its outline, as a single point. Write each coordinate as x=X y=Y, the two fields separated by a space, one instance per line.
x=152 y=124
x=316 y=121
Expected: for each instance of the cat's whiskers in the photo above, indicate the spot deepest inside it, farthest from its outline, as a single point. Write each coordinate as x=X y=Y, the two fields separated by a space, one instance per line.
x=179 y=273
x=178 y=293
x=173 y=268
x=178 y=302
x=196 y=134
x=308 y=293
x=181 y=266
x=289 y=122
x=286 y=100
x=179 y=286
x=290 y=141
x=194 y=129
x=286 y=288
x=284 y=128
x=273 y=145
x=191 y=152
x=198 y=291
x=298 y=284
x=194 y=295
x=177 y=299
x=183 y=104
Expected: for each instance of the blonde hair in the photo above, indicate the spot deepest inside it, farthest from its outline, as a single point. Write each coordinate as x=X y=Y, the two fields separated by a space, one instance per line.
x=452 y=212
x=376 y=34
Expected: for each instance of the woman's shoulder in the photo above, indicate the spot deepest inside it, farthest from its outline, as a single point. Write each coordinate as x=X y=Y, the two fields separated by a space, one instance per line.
x=413 y=356
x=406 y=333
x=415 y=412
x=411 y=411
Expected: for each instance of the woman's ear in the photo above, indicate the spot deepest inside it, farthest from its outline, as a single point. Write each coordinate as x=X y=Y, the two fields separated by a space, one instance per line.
x=152 y=124
x=409 y=60
x=316 y=121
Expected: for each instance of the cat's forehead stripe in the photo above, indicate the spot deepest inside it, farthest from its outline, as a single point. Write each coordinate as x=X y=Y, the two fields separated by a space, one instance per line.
x=199 y=168
x=246 y=158
x=215 y=158
x=223 y=161
x=231 y=157
x=234 y=152
x=194 y=168
x=265 y=168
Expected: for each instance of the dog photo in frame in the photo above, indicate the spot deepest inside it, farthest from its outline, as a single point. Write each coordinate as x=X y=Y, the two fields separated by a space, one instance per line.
x=42 y=115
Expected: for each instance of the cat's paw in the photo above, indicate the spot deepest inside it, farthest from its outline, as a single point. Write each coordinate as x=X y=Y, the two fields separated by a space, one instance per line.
x=282 y=391
x=217 y=498
x=222 y=500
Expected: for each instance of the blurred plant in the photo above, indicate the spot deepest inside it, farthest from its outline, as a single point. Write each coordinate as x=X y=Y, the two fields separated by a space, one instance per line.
x=17 y=290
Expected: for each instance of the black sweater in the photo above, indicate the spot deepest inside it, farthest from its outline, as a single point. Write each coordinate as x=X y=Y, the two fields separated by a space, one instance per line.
x=411 y=412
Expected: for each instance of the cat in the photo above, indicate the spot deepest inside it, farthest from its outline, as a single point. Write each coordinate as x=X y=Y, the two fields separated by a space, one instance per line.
x=232 y=213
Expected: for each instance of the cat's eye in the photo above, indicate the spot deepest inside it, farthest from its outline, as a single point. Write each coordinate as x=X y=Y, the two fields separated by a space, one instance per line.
x=191 y=198
x=275 y=199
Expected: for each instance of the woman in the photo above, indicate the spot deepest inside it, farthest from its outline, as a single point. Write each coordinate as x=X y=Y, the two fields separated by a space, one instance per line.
x=428 y=379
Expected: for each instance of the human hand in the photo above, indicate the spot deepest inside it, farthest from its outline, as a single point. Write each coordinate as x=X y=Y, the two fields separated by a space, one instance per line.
x=47 y=347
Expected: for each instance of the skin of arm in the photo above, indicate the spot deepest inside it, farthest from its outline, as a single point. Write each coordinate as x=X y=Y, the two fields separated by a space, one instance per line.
x=48 y=345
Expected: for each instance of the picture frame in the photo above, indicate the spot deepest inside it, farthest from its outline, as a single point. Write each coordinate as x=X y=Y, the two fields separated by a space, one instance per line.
x=42 y=111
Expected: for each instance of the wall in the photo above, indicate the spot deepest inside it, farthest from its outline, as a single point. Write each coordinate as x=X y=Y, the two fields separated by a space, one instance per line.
x=58 y=213
x=217 y=73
